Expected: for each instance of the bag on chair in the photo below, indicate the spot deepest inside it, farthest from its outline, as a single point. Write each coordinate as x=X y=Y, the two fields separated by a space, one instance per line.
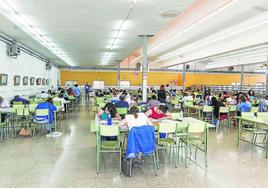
x=25 y=132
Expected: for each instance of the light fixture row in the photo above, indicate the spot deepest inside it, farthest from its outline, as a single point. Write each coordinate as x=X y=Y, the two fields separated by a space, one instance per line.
x=108 y=53
x=18 y=19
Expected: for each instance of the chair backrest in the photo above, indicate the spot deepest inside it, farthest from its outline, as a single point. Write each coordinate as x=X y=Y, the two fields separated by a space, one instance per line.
x=57 y=103
x=175 y=115
x=99 y=100
x=189 y=103
x=17 y=102
x=247 y=114
x=41 y=112
x=105 y=130
x=232 y=108
x=262 y=115
x=224 y=109
x=19 y=111
x=254 y=109
x=207 y=108
x=122 y=111
x=101 y=105
x=167 y=127
x=16 y=106
x=26 y=112
x=32 y=107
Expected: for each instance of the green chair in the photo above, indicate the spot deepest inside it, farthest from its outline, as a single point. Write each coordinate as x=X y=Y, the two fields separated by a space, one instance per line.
x=57 y=104
x=224 y=110
x=233 y=113
x=197 y=138
x=17 y=103
x=207 y=110
x=32 y=107
x=99 y=100
x=254 y=109
x=263 y=115
x=122 y=111
x=108 y=146
x=40 y=112
x=101 y=105
x=169 y=142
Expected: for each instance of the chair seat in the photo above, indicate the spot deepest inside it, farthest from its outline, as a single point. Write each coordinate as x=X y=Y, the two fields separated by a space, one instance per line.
x=3 y=124
x=41 y=122
x=196 y=141
x=165 y=141
x=109 y=145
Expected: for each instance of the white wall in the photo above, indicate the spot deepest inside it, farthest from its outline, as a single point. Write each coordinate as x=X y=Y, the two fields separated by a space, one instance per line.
x=24 y=65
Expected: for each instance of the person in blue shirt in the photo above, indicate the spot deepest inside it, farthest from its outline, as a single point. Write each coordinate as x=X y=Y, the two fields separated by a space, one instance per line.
x=51 y=108
x=17 y=98
x=244 y=106
x=77 y=92
x=87 y=90
x=122 y=103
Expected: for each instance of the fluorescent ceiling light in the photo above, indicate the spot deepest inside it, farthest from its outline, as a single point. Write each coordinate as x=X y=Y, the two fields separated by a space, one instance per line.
x=12 y=14
x=118 y=34
x=186 y=29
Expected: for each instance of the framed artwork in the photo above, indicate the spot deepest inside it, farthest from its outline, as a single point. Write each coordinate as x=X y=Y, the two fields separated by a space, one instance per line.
x=25 y=80
x=3 y=79
x=38 y=81
x=47 y=82
x=43 y=81
x=16 y=80
x=32 y=79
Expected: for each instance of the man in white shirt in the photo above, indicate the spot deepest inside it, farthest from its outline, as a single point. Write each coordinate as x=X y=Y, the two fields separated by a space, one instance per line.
x=44 y=95
x=60 y=98
x=3 y=104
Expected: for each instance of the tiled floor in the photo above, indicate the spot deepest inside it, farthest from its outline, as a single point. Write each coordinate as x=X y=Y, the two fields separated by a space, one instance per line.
x=69 y=161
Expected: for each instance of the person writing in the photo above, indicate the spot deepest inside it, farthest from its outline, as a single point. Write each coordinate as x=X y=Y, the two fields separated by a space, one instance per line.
x=160 y=112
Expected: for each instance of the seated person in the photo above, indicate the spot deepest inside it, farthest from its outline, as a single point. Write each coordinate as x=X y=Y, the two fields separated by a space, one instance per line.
x=3 y=104
x=264 y=104
x=244 y=105
x=153 y=102
x=109 y=108
x=51 y=108
x=115 y=98
x=44 y=95
x=135 y=119
x=231 y=100
x=59 y=97
x=122 y=103
x=158 y=112
x=17 y=98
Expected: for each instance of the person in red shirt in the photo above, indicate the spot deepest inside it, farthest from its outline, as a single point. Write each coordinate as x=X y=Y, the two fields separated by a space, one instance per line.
x=158 y=112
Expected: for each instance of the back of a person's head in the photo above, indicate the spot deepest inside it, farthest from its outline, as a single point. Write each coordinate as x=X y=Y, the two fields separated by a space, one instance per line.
x=134 y=110
x=266 y=97
x=1 y=99
x=122 y=97
x=42 y=91
x=60 y=95
x=213 y=100
x=162 y=87
x=163 y=108
x=153 y=97
x=16 y=96
x=49 y=100
x=243 y=98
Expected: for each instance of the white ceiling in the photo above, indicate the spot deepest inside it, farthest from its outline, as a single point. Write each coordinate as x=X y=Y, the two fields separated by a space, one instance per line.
x=84 y=29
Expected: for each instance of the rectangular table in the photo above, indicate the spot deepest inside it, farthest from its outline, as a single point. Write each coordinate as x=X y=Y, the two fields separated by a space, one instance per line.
x=253 y=120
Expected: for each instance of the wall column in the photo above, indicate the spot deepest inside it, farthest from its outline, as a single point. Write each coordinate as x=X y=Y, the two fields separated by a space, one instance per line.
x=184 y=76
x=118 y=75
x=144 y=67
x=242 y=77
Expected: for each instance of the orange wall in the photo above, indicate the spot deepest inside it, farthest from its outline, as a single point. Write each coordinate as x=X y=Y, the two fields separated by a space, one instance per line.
x=158 y=78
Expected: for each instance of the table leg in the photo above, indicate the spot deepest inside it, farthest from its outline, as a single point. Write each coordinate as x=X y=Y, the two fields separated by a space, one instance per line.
x=55 y=122
x=239 y=132
x=266 y=149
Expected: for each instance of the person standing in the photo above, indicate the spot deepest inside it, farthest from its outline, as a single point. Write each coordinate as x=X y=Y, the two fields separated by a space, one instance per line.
x=77 y=93
x=87 y=90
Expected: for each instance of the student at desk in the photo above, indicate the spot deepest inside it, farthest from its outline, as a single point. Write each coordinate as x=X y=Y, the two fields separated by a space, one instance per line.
x=108 y=109
x=51 y=108
x=135 y=119
x=17 y=98
x=244 y=106
x=158 y=112
x=3 y=104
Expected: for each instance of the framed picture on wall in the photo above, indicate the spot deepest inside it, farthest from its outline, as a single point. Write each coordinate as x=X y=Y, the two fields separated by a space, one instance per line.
x=3 y=79
x=43 y=81
x=32 y=79
x=25 y=80
x=47 y=82
x=38 y=81
x=16 y=80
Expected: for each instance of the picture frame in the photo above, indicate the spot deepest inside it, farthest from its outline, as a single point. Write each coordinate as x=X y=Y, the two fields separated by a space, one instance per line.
x=16 y=80
x=32 y=79
x=38 y=81
x=25 y=80
x=47 y=82
x=3 y=79
x=43 y=81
